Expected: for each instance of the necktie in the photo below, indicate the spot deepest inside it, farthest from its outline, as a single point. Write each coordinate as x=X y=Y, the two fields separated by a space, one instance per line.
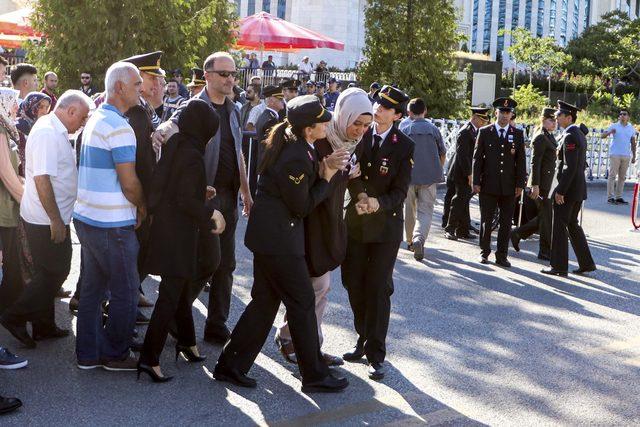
x=502 y=134
x=376 y=145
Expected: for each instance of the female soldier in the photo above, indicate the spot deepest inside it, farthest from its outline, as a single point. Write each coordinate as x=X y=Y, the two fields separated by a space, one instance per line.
x=292 y=183
x=325 y=230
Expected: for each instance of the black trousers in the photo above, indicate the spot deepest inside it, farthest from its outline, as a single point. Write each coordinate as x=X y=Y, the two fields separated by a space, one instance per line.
x=173 y=303
x=565 y=224
x=222 y=279
x=541 y=224
x=367 y=274
x=52 y=262
x=12 y=281
x=451 y=191
x=459 y=218
x=488 y=205
x=278 y=278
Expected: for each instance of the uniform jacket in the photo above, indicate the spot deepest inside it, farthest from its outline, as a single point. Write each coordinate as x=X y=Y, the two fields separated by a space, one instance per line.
x=385 y=177
x=572 y=157
x=287 y=192
x=265 y=122
x=462 y=161
x=499 y=166
x=543 y=162
x=140 y=121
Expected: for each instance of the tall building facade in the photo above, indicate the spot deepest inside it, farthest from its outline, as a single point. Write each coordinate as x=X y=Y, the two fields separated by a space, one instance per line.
x=482 y=20
x=342 y=20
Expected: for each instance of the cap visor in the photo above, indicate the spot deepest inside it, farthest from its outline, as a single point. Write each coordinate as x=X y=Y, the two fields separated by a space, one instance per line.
x=325 y=117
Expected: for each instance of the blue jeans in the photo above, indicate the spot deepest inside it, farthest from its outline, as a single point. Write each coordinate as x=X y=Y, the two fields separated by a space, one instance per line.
x=109 y=257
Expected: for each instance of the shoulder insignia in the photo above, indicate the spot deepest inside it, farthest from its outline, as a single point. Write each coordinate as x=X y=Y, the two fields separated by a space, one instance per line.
x=571 y=147
x=297 y=180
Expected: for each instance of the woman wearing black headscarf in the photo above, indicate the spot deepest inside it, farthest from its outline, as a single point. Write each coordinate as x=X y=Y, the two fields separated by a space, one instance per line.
x=181 y=229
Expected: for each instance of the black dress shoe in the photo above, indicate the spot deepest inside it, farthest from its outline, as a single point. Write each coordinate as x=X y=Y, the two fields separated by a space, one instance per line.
x=554 y=272
x=40 y=334
x=475 y=230
x=9 y=404
x=450 y=236
x=621 y=201
x=544 y=257
x=19 y=332
x=515 y=241
x=466 y=237
x=355 y=354
x=217 y=336
x=377 y=370
x=586 y=269
x=503 y=262
x=233 y=376
x=328 y=384
x=484 y=260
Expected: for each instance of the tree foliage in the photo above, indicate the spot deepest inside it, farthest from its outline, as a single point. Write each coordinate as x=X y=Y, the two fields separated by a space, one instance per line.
x=91 y=35
x=411 y=43
x=539 y=54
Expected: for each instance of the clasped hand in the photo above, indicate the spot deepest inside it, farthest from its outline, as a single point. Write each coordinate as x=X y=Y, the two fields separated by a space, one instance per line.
x=366 y=205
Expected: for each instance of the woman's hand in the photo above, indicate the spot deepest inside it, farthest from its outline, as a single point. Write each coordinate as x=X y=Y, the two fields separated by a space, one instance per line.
x=219 y=221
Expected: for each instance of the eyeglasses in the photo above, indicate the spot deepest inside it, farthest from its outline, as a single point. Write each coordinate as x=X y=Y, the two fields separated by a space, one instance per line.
x=224 y=74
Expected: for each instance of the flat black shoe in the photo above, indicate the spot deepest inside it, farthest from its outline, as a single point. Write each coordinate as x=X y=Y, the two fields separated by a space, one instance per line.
x=217 y=336
x=328 y=384
x=586 y=269
x=233 y=376
x=621 y=201
x=9 y=404
x=544 y=257
x=612 y=201
x=503 y=263
x=484 y=260
x=515 y=241
x=466 y=237
x=154 y=376
x=55 y=332
x=554 y=272
x=450 y=236
x=355 y=354
x=188 y=354
x=19 y=332
x=475 y=230
x=418 y=250
x=377 y=370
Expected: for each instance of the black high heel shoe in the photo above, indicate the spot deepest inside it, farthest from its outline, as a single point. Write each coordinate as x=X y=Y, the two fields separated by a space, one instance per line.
x=188 y=354
x=154 y=376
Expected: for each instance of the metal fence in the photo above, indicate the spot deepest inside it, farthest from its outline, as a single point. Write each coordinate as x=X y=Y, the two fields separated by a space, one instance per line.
x=275 y=76
x=597 y=148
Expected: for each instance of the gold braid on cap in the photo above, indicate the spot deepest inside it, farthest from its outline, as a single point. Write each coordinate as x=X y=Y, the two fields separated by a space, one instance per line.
x=388 y=98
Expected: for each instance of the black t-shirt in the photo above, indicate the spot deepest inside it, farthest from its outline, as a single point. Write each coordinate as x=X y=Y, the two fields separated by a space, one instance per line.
x=227 y=176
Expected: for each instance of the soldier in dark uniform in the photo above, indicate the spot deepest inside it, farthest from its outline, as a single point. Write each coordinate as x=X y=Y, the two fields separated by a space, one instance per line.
x=568 y=196
x=543 y=165
x=270 y=117
x=499 y=176
x=290 y=91
x=292 y=183
x=375 y=227
x=460 y=175
x=197 y=82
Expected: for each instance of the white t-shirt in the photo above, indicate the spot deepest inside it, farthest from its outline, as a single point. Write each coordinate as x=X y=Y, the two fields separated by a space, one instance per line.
x=49 y=152
x=621 y=143
x=305 y=67
x=255 y=112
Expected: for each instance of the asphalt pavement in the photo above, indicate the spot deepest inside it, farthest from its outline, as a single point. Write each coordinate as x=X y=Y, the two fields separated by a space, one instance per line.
x=468 y=344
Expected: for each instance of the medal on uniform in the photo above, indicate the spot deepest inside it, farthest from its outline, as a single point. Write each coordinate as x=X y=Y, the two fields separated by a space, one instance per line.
x=513 y=145
x=384 y=168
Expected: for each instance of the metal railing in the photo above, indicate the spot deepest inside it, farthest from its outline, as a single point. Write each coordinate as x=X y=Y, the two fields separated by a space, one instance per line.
x=275 y=76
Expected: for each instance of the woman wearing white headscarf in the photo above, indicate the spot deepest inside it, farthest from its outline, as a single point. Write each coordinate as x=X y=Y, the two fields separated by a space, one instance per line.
x=11 y=190
x=325 y=229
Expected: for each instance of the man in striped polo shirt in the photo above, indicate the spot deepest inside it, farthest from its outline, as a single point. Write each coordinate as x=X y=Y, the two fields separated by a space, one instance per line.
x=109 y=207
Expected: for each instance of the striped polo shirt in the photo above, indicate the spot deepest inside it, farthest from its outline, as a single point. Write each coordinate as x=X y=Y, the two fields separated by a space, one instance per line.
x=106 y=141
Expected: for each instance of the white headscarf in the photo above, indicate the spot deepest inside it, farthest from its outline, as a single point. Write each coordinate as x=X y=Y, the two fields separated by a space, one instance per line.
x=8 y=102
x=351 y=103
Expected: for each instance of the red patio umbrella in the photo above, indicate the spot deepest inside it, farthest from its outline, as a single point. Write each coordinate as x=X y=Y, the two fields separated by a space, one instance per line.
x=17 y=23
x=263 y=31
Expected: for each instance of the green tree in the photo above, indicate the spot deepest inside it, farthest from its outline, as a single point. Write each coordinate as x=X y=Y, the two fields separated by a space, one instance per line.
x=91 y=35
x=411 y=43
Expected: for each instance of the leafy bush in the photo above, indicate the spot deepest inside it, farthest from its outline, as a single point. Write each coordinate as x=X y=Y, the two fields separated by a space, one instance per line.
x=530 y=100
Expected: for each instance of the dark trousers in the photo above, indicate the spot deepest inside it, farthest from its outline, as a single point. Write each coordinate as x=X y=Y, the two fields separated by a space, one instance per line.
x=278 y=278
x=12 y=282
x=565 y=224
x=541 y=224
x=451 y=191
x=488 y=205
x=174 y=303
x=459 y=218
x=367 y=274
x=222 y=280
x=51 y=262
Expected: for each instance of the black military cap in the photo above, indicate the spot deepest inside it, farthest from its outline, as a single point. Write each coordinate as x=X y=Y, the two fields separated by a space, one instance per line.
x=291 y=84
x=374 y=85
x=306 y=110
x=332 y=80
x=505 y=104
x=549 y=113
x=197 y=77
x=148 y=63
x=482 y=112
x=177 y=72
x=566 y=108
x=391 y=97
x=271 y=90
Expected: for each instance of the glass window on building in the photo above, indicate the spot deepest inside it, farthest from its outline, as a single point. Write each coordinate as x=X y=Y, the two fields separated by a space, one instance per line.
x=282 y=8
x=486 y=42
x=474 y=30
x=540 y=24
x=502 y=11
x=577 y=4
x=515 y=11
x=564 y=18
x=251 y=7
x=587 y=12
x=552 y=18
x=266 y=6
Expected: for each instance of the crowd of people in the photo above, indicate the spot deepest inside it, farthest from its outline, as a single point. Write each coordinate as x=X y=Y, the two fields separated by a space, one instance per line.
x=152 y=187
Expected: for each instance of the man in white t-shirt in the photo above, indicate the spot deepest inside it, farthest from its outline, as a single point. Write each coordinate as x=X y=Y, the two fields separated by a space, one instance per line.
x=621 y=151
x=46 y=207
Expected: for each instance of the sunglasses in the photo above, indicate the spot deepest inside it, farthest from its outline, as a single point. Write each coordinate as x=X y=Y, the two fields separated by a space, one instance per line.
x=224 y=74
x=85 y=78
x=623 y=114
